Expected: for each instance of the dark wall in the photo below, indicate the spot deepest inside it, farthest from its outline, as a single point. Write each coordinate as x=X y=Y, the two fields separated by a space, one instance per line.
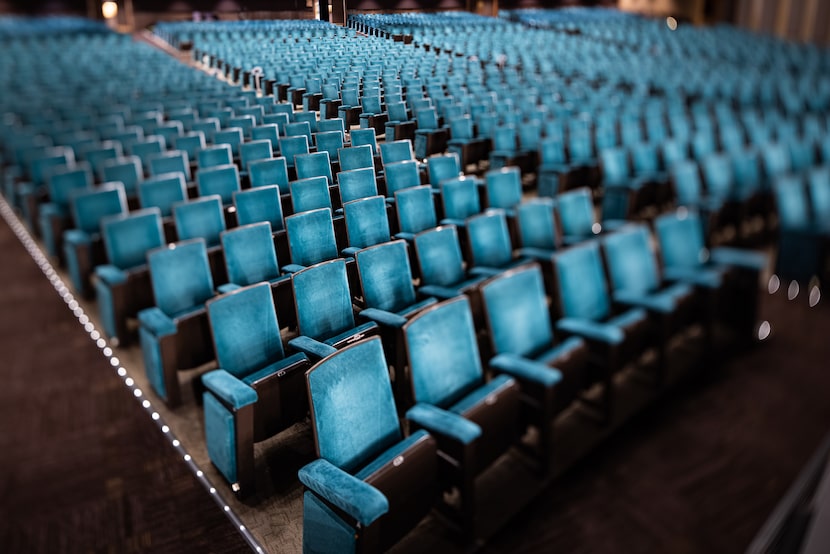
x=392 y=5
x=217 y=5
x=36 y=7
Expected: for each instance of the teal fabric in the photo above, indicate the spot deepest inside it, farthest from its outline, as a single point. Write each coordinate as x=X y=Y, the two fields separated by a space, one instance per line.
x=310 y=193
x=200 y=218
x=615 y=167
x=356 y=184
x=323 y=530
x=254 y=150
x=582 y=282
x=315 y=164
x=396 y=151
x=220 y=435
x=459 y=197
x=631 y=264
x=711 y=278
x=355 y=497
x=181 y=276
x=489 y=240
x=163 y=191
x=216 y=154
x=90 y=206
x=353 y=333
x=791 y=202
x=415 y=209
x=110 y=275
x=591 y=330
x=250 y=256
x=526 y=370
x=736 y=257
x=818 y=183
x=401 y=175
x=151 y=354
x=504 y=187
x=246 y=334
x=63 y=183
x=356 y=157
x=388 y=456
x=275 y=367
x=128 y=237
x=681 y=240
x=552 y=355
x=156 y=322
x=383 y=317
x=386 y=276
x=126 y=170
x=259 y=204
x=576 y=213
x=627 y=318
x=323 y=300
x=444 y=361
x=479 y=395
x=311 y=237
x=537 y=228
x=439 y=256
x=366 y=222
x=517 y=314
x=656 y=302
x=443 y=423
x=718 y=174
x=311 y=347
x=229 y=388
x=46 y=214
x=75 y=240
x=272 y=171
x=352 y=406
x=442 y=167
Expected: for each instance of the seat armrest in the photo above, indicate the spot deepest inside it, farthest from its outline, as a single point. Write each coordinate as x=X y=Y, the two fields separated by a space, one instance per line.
x=349 y=251
x=77 y=237
x=525 y=370
x=228 y=287
x=709 y=278
x=661 y=304
x=438 y=291
x=745 y=259
x=591 y=330
x=409 y=237
x=383 y=317
x=460 y=223
x=312 y=348
x=292 y=268
x=536 y=253
x=229 y=389
x=442 y=423
x=485 y=271
x=357 y=498
x=110 y=274
x=157 y=322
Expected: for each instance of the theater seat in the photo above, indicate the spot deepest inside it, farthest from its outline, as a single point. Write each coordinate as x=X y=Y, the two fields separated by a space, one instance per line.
x=370 y=485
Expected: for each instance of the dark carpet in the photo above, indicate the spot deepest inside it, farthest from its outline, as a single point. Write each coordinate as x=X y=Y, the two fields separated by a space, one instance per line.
x=84 y=469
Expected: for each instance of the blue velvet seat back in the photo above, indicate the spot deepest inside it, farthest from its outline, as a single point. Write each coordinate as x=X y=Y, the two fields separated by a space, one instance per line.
x=216 y=154
x=191 y=144
x=366 y=221
x=150 y=146
x=311 y=237
x=126 y=170
x=299 y=129
x=517 y=314
x=352 y=408
x=329 y=142
x=42 y=165
x=443 y=166
x=293 y=146
x=317 y=164
x=271 y=171
x=818 y=181
x=681 y=239
x=776 y=159
x=537 y=228
x=687 y=185
x=357 y=183
x=200 y=218
x=718 y=175
x=552 y=152
x=386 y=276
x=802 y=154
x=791 y=202
x=90 y=206
x=489 y=239
x=443 y=352
x=310 y=193
x=128 y=237
x=180 y=275
x=170 y=162
x=371 y=103
x=644 y=158
x=576 y=212
x=253 y=151
x=249 y=254
x=356 y=157
x=504 y=187
x=674 y=150
x=302 y=117
x=269 y=132
x=439 y=256
x=323 y=300
x=631 y=263
x=63 y=182
x=459 y=196
x=259 y=204
x=397 y=112
x=396 y=151
x=582 y=286
x=333 y=124
x=746 y=167
x=365 y=137
x=246 y=333
x=162 y=191
x=106 y=150
x=221 y=180
x=401 y=175
x=615 y=166
x=416 y=209
x=232 y=136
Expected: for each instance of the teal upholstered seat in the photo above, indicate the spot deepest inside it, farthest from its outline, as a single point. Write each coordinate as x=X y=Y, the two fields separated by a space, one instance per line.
x=122 y=285
x=356 y=157
x=271 y=171
x=370 y=485
x=220 y=180
x=460 y=199
x=127 y=170
x=474 y=421
x=55 y=215
x=293 y=146
x=366 y=223
x=441 y=264
x=256 y=390
x=174 y=334
x=441 y=167
x=83 y=247
x=259 y=204
x=216 y=154
x=253 y=151
x=415 y=208
x=315 y=164
x=310 y=238
x=357 y=183
x=503 y=188
x=170 y=162
x=491 y=249
x=401 y=175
